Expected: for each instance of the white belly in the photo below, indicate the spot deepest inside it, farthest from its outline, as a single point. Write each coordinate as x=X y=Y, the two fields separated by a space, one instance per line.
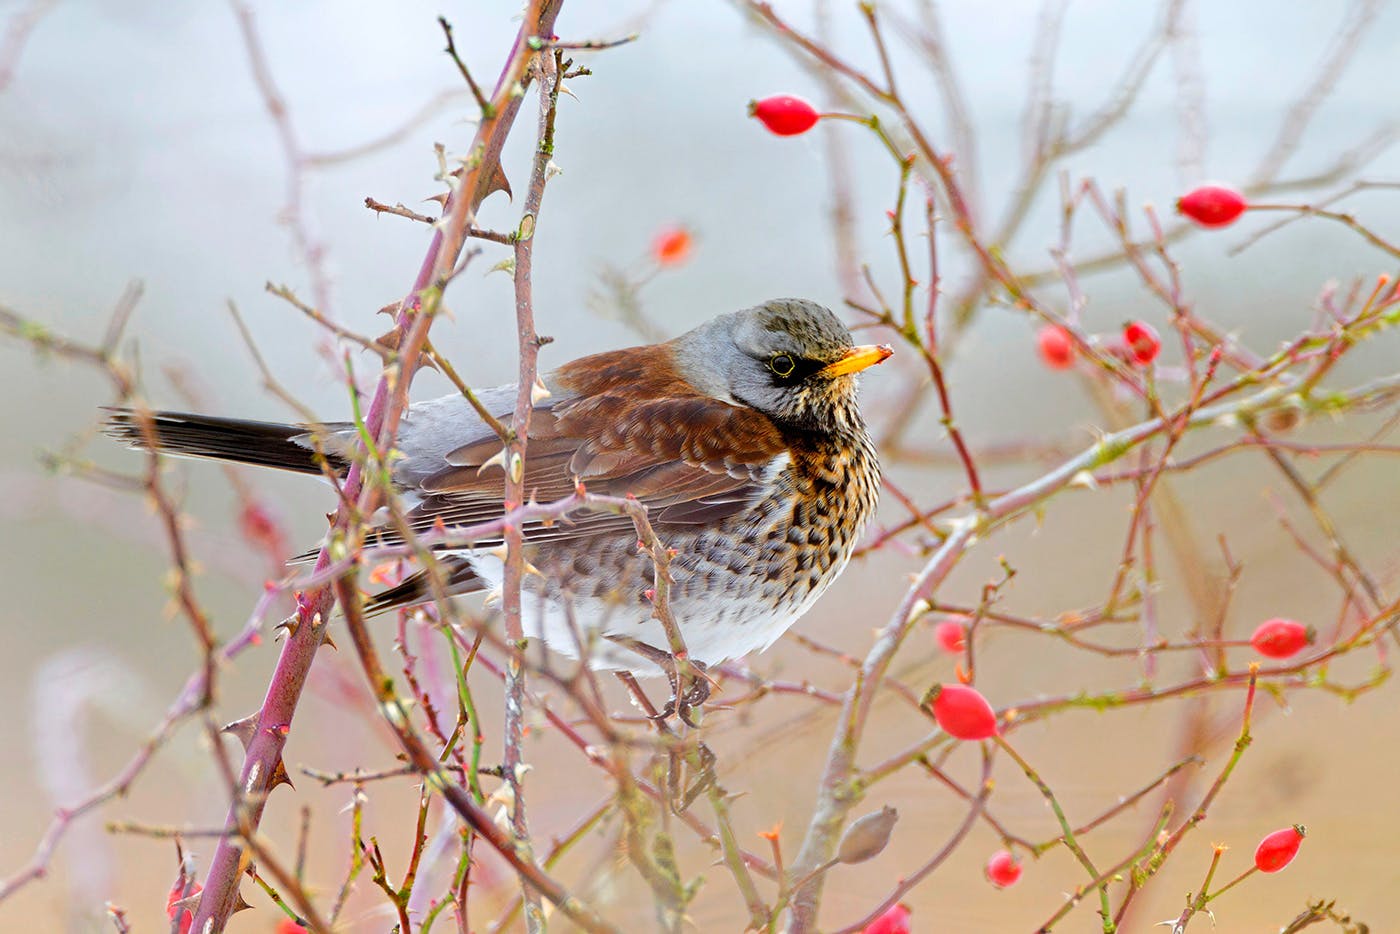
x=715 y=630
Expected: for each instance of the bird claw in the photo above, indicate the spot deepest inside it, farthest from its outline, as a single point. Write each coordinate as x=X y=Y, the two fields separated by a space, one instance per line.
x=690 y=685
x=689 y=691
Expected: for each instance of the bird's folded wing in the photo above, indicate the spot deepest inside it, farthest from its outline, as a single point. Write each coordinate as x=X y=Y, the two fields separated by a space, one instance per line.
x=689 y=460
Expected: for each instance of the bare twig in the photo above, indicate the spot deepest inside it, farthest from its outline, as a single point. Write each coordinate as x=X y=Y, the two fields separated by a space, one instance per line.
x=17 y=32
x=1352 y=30
x=549 y=68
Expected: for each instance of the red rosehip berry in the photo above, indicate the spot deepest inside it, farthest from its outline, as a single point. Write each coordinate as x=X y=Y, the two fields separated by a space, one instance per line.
x=784 y=114
x=1278 y=848
x=1056 y=347
x=895 y=920
x=1142 y=342
x=260 y=528
x=178 y=892
x=672 y=246
x=1212 y=205
x=1280 y=638
x=951 y=635
x=1003 y=869
x=963 y=712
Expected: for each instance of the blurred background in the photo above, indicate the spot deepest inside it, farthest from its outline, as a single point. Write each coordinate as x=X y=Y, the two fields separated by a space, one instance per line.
x=135 y=144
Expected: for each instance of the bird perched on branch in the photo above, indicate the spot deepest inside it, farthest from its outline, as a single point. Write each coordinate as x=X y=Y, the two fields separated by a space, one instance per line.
x=742 y=438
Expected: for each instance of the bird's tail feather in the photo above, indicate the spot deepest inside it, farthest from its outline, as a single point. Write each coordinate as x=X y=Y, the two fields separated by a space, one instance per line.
x=265 y=444
x=269 y=444
x=459 y=579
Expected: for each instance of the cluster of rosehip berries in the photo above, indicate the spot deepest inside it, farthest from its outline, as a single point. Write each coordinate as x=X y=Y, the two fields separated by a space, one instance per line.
x=964 y=713
x=1138 y=345
x=1004 y=869
x=961 y=710
x=1208 y=206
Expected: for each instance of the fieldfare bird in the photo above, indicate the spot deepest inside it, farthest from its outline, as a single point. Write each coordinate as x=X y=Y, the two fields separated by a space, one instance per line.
x=742 y=438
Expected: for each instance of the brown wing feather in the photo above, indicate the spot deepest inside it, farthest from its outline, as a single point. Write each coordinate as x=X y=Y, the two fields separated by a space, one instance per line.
x=624 y=424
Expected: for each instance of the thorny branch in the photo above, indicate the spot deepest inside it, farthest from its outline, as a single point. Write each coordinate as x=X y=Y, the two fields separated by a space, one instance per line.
x=262 y=767
x=549 y=68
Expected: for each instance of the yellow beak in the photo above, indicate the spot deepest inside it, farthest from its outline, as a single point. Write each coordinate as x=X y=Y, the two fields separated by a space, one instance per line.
x=857 y=359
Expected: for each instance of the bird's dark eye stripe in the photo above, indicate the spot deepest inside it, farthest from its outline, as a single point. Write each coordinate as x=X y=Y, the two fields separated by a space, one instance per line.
x=787 y=368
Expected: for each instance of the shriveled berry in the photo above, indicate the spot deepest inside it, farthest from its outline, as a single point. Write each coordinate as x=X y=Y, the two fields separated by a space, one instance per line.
x=1056 y=347
x=1142 y=342
x=672 y=246
x=785 y=114
x=951 y=635
x=1278 y=848
x=867 y=838
x=963 y=712
x=1212 y=205
x=1003 y=869
x=895 y=920
x=1280 y=638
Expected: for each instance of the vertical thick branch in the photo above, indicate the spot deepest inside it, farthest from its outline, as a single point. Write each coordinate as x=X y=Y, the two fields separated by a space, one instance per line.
x=841 y=788
x=266 y=732
x=838 y=791
x=529 y=346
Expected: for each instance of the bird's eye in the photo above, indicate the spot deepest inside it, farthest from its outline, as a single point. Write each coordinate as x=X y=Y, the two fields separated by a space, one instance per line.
x=781 y=364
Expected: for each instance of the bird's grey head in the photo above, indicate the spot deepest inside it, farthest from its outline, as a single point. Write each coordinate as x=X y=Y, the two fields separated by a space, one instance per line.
x=790 y=359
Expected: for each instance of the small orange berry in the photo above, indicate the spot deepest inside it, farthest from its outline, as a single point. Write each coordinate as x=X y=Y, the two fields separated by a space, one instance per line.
x=672 y=246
